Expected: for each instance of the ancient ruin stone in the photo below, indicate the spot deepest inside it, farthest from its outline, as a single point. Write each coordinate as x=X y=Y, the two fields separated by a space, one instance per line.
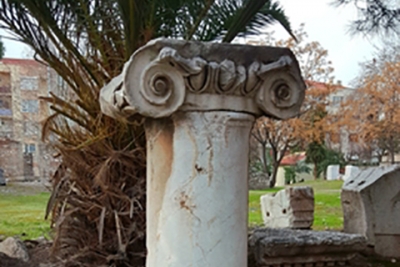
x=14 y=248
x=277 y=247
x=371 y=207
x=200 y=101
x=332 y=172
x=289 y=208
x=350 y=172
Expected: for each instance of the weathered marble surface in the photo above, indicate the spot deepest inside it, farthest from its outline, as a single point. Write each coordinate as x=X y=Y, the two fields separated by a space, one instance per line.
x=200 y=101
x=270 y=246
x=332 y=172
x=291 y=207
x=197 y=196
x=14 y=248
x=371 y=207
x=169 y=75
x=350 y=172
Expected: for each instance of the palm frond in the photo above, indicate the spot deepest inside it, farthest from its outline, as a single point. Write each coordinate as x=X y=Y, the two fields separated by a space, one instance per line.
x=100 y=185
x=254 y=15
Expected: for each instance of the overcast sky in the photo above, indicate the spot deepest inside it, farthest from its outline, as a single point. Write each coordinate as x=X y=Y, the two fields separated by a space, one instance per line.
x=329 y=26
x=323 y=23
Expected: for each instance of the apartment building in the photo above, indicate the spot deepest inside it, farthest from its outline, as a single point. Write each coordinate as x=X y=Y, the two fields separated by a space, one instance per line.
x=343 y=140
x=23 y=156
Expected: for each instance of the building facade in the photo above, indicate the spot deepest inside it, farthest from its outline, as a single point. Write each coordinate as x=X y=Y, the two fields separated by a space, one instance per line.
x=23 y=156
x=340 y=139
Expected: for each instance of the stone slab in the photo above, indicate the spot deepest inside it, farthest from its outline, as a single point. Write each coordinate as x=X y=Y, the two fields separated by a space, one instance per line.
x=371 y=207
x=350 y=172
x=271 y=246
x=332 y=172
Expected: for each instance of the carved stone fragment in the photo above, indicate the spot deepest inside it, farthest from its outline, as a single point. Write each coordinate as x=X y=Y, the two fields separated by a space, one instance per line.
x=371 y=207
x=275 y=247
x=169 y=75
x=289 y=208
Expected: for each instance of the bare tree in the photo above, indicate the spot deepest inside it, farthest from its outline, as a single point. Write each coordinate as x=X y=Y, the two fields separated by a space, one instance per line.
x=374 y=16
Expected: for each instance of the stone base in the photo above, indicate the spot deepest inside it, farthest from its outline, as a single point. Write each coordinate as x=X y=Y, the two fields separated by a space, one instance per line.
x=371 y=207
x=387 y=245
x=286 y=247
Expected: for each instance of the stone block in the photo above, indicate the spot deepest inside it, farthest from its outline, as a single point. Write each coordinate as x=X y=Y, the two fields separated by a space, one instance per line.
x=332 y=172
x=289 y=208
x=14 y=248
x=269 y=246
x=350 y=172
x=371 y=207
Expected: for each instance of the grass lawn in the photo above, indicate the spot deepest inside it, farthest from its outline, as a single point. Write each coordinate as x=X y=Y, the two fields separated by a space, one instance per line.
x=328 y=210
x=22 y=211
x=23 y=215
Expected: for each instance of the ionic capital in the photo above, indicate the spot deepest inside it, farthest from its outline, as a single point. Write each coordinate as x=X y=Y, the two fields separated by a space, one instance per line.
x=165 y=76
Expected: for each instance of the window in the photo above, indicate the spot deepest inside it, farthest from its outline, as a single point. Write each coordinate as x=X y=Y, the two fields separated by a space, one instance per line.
x=62 y=88
x=60 y=82
x=6 y=128
x=5 y=102
x=29 y=83
x=5 y=106
x=29 y=148
x=336 y=100
x=30 y=106
x=5 y=82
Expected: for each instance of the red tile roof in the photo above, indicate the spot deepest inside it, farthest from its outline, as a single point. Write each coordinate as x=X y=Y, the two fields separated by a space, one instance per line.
x=292 y=159
x=20 y=61
x=322 y=86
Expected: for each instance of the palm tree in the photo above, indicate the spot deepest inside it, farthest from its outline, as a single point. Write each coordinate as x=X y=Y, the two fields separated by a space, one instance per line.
x=98 y=198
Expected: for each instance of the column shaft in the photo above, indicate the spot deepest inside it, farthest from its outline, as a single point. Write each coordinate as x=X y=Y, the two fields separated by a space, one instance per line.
x=197 y=193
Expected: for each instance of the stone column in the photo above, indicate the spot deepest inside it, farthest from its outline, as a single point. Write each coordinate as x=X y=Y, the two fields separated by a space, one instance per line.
x=200 y=101
x=197 y=189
